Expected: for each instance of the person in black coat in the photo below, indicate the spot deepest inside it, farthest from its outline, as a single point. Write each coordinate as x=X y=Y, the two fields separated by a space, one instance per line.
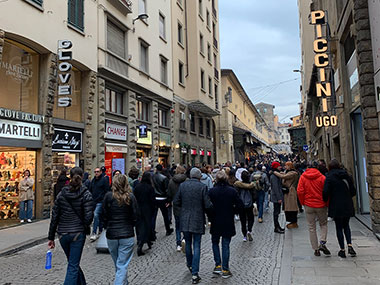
x=144 y=193
x=339 y=190
x=226 y=203
x=62 y=181
x=71 y=218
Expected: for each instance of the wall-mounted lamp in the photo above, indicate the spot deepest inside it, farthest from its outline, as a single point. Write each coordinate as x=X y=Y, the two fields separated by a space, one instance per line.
x=139 y=17
x=297 y=70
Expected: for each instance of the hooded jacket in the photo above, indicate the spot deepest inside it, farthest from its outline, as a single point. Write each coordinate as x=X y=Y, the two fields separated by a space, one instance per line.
x=64 y=219
x=246 y=192
x=207 y=180
x=173 y=189
x=310 y=188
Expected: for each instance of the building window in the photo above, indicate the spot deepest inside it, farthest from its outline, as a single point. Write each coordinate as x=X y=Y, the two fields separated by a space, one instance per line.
x=75 y=14
x=208 y=18
x=192 y=122
x=182 y=120
x=200 y=120
x=115 y=39
x=208 y=128
x=163 y=118
x=200 y=8
x=144 y=57
x=181 y=76
x=162 y=28
x=164 y=70
x=114 y=101
x=203 y=79
x=143 y=111
x=180 y=33
x=210 y=86
x=265 y=110
x=201 y=44
x=142 y=7
x=208 y=52
x=216 y=96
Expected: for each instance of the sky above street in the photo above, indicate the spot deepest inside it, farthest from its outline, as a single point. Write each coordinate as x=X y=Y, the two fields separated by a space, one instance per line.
x=260 y=43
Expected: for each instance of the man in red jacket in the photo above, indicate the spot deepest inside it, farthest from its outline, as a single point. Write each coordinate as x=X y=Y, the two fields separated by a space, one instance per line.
x=310 y=188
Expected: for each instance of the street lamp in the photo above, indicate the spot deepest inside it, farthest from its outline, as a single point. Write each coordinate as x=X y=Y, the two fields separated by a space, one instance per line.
x=139 y=17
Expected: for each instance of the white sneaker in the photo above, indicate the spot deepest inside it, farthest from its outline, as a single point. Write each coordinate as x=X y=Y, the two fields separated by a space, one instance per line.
x=29 y=220
x=244 y=239
x=183 y=246
x=179 y=248
x=21 y=221
x=93 y=237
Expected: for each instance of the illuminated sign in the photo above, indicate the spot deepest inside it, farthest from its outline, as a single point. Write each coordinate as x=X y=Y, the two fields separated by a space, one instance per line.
x=193 y=151
x=64 y=75
x=321 y=61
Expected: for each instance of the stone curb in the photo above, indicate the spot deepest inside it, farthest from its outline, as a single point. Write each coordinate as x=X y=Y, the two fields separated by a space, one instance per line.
x=22 y=246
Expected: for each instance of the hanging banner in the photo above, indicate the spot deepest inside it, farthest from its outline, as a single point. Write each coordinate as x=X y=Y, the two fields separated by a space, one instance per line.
x=65 y=55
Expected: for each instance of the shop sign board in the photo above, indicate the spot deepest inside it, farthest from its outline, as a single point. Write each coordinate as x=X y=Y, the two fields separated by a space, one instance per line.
x=20 y=130
x=118 y=148
x=143 y=131
x=208 y=153
x=165 y=139
x=116 y=132
x=65 y=55
x=67 y=141
x=193 y=151
x=21 y=116
x=146 y=140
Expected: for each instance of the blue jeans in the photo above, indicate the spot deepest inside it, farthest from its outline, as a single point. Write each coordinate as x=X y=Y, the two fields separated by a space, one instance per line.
x=177 y=231
x=72 y=245
x=97 y=221
x=121 y=252
x=260 y=202
x=193 y=259
x=225 y=251
x=29 y=209
x=266 y=201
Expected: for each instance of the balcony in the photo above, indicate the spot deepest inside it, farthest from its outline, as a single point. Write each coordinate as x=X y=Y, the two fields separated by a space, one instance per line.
x=215 y=43
x=124 y=6
x=216 y=73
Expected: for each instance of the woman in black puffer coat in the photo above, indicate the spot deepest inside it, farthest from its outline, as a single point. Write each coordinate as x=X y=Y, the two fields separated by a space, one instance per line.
x=339 y=190
x=71 y=218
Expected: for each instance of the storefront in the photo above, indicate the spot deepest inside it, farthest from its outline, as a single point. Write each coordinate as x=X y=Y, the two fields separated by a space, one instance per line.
x=193 y=153
x=209 y=157
x=164 y=149
x=144 y=148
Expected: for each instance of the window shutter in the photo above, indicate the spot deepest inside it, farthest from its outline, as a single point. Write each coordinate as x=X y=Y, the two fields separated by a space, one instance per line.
x=71 y=12
x=76 y=13
x=115 y=39
x=80 y=14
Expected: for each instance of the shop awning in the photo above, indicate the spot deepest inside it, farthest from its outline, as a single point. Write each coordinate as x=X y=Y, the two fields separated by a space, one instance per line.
x=114 y=147
x=201 y=107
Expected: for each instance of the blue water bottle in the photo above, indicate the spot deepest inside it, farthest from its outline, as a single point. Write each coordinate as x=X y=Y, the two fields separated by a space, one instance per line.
x=49 y=255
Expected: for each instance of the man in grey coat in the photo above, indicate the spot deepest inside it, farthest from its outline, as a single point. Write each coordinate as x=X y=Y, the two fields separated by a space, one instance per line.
x=193 y=199
x=276 y=197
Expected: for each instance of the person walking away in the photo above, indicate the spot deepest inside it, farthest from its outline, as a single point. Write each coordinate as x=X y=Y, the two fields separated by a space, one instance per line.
x=226 y=203
x=98 y=188
x=26 y=197
x=266 y=189
x=133 y=177
x=174 y=183
x=120 y=216
x=193 y=200
x=310 y=189
x=85 y=181
x=71 y=218
x=290 y=182
x=261 y=184
x=322 y=167
x=276 y=197
x=62 y=181
x=144 y=194
x=160 y=185
x=206 y=178
x=246 y=192
x=339 y=190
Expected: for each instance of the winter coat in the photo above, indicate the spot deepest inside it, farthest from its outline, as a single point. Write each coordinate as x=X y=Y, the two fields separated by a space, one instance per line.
x=193 y=199
x=160 y=185
x=99 y=187
x=64 y=219
x=173 y=189
x=339 y=190
x=246 y=193
x=26 y=189
x=62 y=181
x=310 y=188
x=207 y=180
x=276 y=188
x=85 y=181
x=144 y=194
x=226 y=203
x=289 y=180
x=119 y=220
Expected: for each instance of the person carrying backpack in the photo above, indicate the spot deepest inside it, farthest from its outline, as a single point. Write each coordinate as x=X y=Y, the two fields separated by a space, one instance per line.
x=260 y=179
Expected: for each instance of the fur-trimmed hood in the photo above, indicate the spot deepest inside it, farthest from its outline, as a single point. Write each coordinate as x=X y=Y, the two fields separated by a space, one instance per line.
x=242 y=185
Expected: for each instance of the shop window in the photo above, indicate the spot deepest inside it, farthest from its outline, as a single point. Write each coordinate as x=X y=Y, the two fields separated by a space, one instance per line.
x=163 y=118
x=143 y=111
x=114 y=101
x=200 y=126
x=74 y=112
x=216 y=96
x=192 y=122
x=208 y=128
x=202 y=79
x=63 y=161
x=76 y=13
x=19 y=77
x=115 y=39
x=182 y=122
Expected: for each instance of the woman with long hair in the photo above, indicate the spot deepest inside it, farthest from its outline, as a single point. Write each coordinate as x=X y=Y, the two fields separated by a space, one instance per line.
x=144 y=193
x=26 y=197
x=71 y=218
x=120 y=216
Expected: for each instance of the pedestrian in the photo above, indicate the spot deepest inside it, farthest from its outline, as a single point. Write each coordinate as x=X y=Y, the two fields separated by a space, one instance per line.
x=85 y=181
x=310 y=188
x=160 y=185
x=266 y=189
x=247 y=193
x=276 y=196
x=99 y=187
x=262 y=184
x=193 y=199
x=62 y=181
x=231 y=175
x=174 y=184
x=226 y=203
x=322 y=167
x=116 y=172
x=289 y=183
x=206 y=178
x=71 y=218
x=26 y=197
x=338 y=191
x=120 y=217
x=133 y=177
x=144 y=194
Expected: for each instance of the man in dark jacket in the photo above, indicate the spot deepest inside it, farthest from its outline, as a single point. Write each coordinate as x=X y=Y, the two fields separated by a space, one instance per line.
x=226 y=203
x=160 y=185
x=99 y=187
x=193 y=199
x=276 y=197
x=174 y=184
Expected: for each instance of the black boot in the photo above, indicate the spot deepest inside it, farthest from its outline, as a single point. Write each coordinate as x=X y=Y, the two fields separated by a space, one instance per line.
x=139 y=250
x=150 y=244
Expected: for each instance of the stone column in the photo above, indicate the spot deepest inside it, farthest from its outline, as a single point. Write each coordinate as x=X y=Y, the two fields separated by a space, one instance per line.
x=173 y=142
x=2 y=36
x=132 y=130
x=101 y=121
x=155 y=134
x=368 y=107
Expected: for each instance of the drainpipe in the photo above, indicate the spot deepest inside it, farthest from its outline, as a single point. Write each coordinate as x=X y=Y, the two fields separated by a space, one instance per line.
x=187 y=43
